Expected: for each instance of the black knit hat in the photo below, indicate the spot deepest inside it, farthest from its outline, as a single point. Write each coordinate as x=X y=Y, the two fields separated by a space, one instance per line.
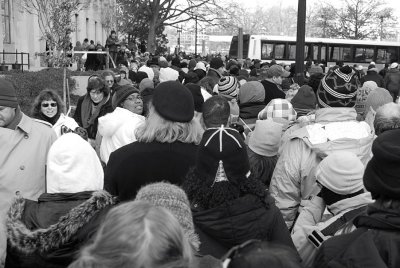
x=8 y=96
x=197 y=96
x=222 y=154
x=121 y=93
x=216 y=63
x=338 y=88
x=382 y=174
x=173 y=101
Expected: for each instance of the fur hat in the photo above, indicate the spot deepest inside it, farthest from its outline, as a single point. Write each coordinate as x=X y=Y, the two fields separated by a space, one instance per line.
x=338 y=88
x=341 y=172
x=377 y=98
x=266 y=137
x=121 y=93
x=278 y=108
x=304 y=99
x=168 y=74
x=381 y=176
x=222 y=154
x=73 y=166
x=197 y=96
x=173 y=101
x=228 y=86
x=8 y=96
x=173 y=198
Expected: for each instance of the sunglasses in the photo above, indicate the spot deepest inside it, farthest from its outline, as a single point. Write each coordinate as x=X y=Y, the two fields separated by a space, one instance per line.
x=53 y=104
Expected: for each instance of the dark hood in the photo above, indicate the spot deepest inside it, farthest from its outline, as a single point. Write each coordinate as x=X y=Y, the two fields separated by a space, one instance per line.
x=378 y=218
x=250 y=109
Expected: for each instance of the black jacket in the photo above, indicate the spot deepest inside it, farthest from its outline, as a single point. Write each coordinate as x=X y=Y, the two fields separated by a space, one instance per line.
x=250 y=110
x=39 y=237
x=272 y=91
x=237 y=221
x=137 y=164
x=374 y=244
x=373 y=76
x=392 y=82
x=92 y=129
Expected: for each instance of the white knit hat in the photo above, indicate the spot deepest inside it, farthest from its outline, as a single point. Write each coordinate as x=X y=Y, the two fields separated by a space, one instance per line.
x=266 y=137
x=341 y=172
x=149 y=71
x=168 y=74
x=73 y=166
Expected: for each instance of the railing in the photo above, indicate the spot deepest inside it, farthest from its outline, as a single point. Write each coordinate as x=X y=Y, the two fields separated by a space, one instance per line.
x=14 y=65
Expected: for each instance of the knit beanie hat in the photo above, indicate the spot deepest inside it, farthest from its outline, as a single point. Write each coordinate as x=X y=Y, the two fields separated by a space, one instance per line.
x=173 y=198
x=216 y=63
x=315 y=69
x=341 y=172
x=168 y=74
x=197 y=96
x=73 y=166
x=140 y=76
x=266 y=137
x=200 y=65
x=173 y=101
x=252 y=91
x=121 y=93
x=228 y=86
x=338 y=88
x=278 y=108
x=222 y=154
x=377 y=98
x=146 y=83
x=8 y=96
x=362 y=95
x=191 y=77
x=315 y=80
x=192 y=64
x=304 y=98
x=381 y=176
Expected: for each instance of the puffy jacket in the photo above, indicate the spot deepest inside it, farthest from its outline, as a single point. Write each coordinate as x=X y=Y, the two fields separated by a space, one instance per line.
x=237 y=221
x=392 y=82
x=374 y=244
x=311 y=219
x=117 y=129
x=335 y=129
x=50 y=232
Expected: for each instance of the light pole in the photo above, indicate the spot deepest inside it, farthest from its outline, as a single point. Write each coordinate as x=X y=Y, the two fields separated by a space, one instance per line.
x=179 y=38
x=195 y=38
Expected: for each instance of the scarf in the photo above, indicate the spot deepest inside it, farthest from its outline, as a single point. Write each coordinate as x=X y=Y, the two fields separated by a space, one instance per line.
x=86 y=111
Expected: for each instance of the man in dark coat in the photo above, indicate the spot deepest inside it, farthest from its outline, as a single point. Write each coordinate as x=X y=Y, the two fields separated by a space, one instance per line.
x=272 y=83
x=372 y=75
x=376 y=241
x=217 y=69
x=165 y=148
x=392 y=80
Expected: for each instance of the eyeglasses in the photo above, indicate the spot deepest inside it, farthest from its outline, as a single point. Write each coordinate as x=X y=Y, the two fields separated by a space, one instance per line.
x=110 y=81
x=46 y=104
x=95 y=92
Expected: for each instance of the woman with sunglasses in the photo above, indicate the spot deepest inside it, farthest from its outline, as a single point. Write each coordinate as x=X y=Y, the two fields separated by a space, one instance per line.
x=48 y=107
x=94 y=104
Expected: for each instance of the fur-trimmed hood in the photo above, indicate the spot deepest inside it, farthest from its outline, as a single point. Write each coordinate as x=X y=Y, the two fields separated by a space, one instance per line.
x=58 y=234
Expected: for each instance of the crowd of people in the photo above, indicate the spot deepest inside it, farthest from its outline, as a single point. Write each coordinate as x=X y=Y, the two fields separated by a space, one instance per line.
x=205 y=162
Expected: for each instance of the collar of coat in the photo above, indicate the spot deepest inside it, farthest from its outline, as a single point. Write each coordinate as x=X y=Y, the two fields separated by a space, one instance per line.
x=42 y=240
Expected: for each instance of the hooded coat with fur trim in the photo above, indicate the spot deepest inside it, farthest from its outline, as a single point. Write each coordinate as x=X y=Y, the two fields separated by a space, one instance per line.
x=50 y=232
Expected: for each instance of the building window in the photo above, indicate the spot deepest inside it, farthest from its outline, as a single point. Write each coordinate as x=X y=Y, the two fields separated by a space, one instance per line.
x=5 y=6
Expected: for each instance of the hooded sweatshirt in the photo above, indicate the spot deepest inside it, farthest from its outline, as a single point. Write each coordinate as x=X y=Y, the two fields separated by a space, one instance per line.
x=117 y=129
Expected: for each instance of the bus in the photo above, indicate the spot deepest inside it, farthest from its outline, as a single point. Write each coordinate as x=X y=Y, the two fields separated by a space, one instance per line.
x=283 y=49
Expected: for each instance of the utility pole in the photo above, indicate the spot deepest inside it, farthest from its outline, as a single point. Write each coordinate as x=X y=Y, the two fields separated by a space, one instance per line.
x=300 y=41
x=179 y=38
x=195 y=38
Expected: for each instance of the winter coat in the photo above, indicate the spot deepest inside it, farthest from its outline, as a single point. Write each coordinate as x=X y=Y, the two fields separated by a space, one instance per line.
x=23 y=155
x=311 y=219
x=272 y=91
x=374 y=244
x=139 y=163
x=112 y=43
x=392 y=82
x=237 y=221
x=117 y=129
x=50 y=232
x=215 y=75
x=335 y=129
x=373 y=76
x=92 y=129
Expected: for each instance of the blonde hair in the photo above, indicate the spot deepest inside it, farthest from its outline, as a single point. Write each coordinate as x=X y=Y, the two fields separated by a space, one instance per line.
x=156 y=128
x=137 y=234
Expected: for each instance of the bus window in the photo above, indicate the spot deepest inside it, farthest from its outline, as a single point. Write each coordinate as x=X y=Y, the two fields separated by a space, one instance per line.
x=382 y=56
x=363 y=54
x=337 y=53
x=279 y=51
x=267 y=51
x=323 y=52
x=292 y=52
x=392 y=51
x=315 y=55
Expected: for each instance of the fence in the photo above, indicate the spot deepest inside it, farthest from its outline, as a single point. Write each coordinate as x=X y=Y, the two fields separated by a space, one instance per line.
x=14 y=65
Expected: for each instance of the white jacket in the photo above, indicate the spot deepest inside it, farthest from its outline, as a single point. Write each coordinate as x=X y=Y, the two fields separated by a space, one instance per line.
x=64 y=120
x=117 y=129
x=311 y=219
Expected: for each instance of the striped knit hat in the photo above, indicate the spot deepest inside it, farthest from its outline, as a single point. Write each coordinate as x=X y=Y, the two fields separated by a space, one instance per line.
x=173 y=198
x=8 y=97
x=228 y=86
x=338 y=88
